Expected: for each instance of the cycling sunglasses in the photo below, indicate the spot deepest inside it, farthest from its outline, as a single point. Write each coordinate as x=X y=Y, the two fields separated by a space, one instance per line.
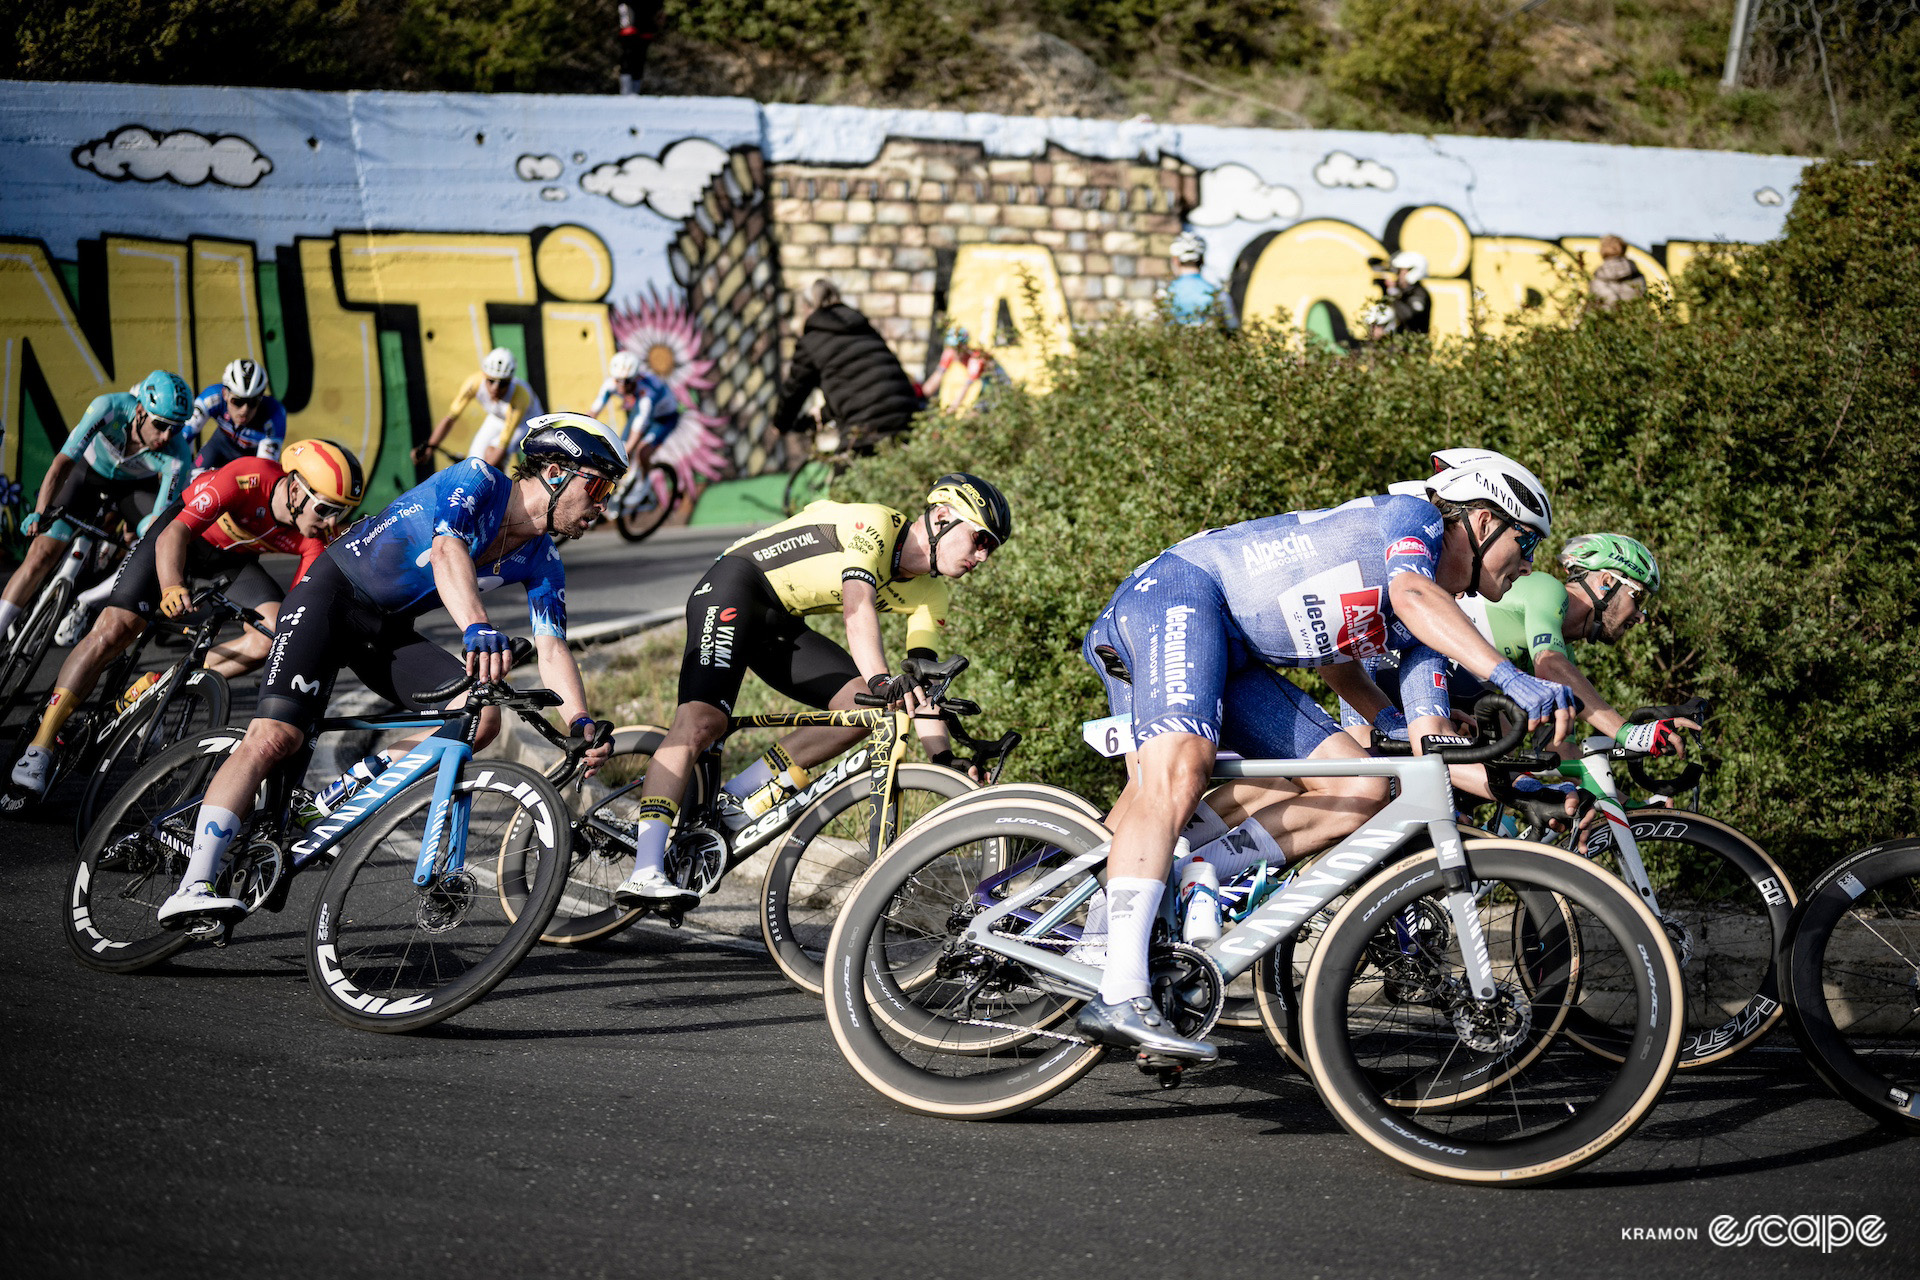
x=320 y=506
x=599 y=488
x=982 y=540
x=1530 y=540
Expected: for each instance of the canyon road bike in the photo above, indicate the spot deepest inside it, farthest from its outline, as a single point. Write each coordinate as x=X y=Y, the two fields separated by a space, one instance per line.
x=952 y=975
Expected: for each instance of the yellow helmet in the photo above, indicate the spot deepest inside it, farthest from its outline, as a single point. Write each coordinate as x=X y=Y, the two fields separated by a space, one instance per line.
x=330 y=472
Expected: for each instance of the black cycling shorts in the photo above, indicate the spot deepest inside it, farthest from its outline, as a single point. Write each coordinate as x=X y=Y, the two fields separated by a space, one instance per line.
x=736 y=624
x=326 y=624
x=95 y=498
x=136 y=587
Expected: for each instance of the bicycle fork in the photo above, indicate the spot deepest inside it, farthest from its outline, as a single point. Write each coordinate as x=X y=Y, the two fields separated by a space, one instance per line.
x=446 y=833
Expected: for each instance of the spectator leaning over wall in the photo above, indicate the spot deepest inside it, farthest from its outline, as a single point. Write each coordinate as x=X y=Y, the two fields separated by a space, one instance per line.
x=1616 y=280
x=866 y=390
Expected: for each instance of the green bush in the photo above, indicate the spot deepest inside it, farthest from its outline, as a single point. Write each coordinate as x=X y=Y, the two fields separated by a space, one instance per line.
x=1765 y=449
x=1456 y=61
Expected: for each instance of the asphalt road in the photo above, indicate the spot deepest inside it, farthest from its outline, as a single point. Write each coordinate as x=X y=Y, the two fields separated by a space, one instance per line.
x=665 y=1106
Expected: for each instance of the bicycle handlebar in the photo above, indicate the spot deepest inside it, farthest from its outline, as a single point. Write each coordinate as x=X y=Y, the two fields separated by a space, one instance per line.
x=57 y=514
x=1456 y=750
x=522 y=649
x=1694 y=709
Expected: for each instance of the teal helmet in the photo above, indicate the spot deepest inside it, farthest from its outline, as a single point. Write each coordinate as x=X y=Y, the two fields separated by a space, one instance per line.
x=166 y=396
x=1612 y=552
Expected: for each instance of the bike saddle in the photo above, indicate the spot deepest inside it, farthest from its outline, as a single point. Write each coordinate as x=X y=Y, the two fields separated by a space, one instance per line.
x=1115 y=665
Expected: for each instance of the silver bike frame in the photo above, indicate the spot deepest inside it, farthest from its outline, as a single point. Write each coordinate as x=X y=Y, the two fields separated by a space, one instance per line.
x=1425 y=804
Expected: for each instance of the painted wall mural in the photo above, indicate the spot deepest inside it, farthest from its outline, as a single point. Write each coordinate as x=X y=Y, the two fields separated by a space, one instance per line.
x=369 y=248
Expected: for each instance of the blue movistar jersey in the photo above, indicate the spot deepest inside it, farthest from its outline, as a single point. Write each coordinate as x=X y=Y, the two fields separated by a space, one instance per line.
x=263 y=437
x=1191 y=297
x=1310 y=587
x=388 y=556
x=102 y=442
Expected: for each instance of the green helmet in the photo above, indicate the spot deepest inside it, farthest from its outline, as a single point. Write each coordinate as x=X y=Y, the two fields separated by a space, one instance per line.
x=1615 y=552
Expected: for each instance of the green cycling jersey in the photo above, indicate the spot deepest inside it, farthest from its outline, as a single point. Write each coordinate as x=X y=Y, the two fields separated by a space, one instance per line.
x=1526 y=622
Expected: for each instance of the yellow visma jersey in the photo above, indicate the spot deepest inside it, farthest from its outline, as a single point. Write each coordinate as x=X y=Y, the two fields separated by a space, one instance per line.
x=808 y=557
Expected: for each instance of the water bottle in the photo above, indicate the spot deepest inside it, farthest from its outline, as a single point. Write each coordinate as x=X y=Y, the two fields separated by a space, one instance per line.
x=343 y=788
x=785 y=785
x=1199 y=902
x=134 y=690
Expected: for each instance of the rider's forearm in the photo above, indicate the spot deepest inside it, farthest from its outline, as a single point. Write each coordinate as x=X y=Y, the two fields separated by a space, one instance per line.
x=1431 y=614
x=456 y=581
x=560 y=673
x=1350 y=682
x=170 y=556
x=863 y=630
x=50 y=485
x=1596 y=710
x=440 y=429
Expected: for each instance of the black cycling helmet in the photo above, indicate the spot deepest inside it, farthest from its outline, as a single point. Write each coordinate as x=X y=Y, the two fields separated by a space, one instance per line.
x=972 y=499
x=575 y=441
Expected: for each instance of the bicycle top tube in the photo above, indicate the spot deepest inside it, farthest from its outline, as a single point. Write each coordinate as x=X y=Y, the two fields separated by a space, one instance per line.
x=859 y=718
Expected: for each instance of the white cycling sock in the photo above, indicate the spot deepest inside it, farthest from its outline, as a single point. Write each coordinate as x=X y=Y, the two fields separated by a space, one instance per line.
x=8 y=612
x=749 y=780
x=214 y=829
x=1204 y=827
x=1247 y=845
x=1132 y=904
x=92 y=596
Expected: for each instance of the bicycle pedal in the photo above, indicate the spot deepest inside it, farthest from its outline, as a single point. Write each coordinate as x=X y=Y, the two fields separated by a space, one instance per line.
x=1167 y=1072
x=673 y=918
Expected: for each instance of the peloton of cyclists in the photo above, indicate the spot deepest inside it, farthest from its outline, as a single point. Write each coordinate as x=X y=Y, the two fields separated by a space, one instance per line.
x=220 y=524
x=127 y=445
x=748 y=613
x=1186 y=648
x=652 y=412
x=508 y=404
x=439 y=545
x=248 y=422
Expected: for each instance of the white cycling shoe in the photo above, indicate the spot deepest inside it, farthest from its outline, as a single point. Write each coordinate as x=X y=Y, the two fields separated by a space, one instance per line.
x=196 y=901
x=649 y=887
x=1136 y=1024
x=73 y=627
x=34 y=770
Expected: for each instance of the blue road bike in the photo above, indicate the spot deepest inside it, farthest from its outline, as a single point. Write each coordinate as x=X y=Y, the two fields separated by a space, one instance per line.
x=407 y=929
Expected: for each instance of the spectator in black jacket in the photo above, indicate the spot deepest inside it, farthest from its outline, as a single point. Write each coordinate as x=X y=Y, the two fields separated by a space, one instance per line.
x=866 y=390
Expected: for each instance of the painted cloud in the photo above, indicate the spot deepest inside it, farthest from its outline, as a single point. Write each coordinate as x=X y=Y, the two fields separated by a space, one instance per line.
x=537 y=168
x=1233 y=191
x=1342 y=170
x=1767 y=195
x=669 y=185
x=184 y=156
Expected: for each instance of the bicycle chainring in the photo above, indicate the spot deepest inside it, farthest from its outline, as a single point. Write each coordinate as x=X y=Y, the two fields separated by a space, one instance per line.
x=257 y=870
x=696 y=859
x=1188 y=986
x=1680 y=936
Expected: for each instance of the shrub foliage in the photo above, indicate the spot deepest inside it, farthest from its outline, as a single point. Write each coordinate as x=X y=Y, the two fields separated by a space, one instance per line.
x=1765 y=448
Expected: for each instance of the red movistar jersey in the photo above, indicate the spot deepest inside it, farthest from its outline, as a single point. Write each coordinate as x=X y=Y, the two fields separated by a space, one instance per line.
x=232 y=508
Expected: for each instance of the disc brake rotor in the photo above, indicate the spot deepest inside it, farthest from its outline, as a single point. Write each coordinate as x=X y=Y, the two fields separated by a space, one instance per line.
x=445 y=903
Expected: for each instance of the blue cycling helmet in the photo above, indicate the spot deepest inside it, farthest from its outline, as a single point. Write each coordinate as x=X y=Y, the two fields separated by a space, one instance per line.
x=167 y=397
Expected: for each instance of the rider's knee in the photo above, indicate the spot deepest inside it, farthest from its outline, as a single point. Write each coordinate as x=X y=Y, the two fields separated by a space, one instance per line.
x=272 y=740
x=116 y=629
x=699 y=723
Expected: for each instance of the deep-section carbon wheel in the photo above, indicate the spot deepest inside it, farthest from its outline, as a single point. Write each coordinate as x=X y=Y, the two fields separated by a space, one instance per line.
x=941 y=1027
x=1381 y=1034
x=386 y=955
x=824 y=856
x=134 y=855
x=1724 y=905
x=1853 y=981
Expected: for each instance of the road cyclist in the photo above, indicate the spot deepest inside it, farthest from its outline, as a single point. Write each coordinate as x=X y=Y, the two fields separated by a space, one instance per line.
x=247 y=421
x=650 y=413
x=1190 y=297
x=1429 y=1019
x=125 y=459
x=442 y=544
x=966 y=376
x=1188 y=648
x=507 y=404
x=219 y=526
x=748 y=613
